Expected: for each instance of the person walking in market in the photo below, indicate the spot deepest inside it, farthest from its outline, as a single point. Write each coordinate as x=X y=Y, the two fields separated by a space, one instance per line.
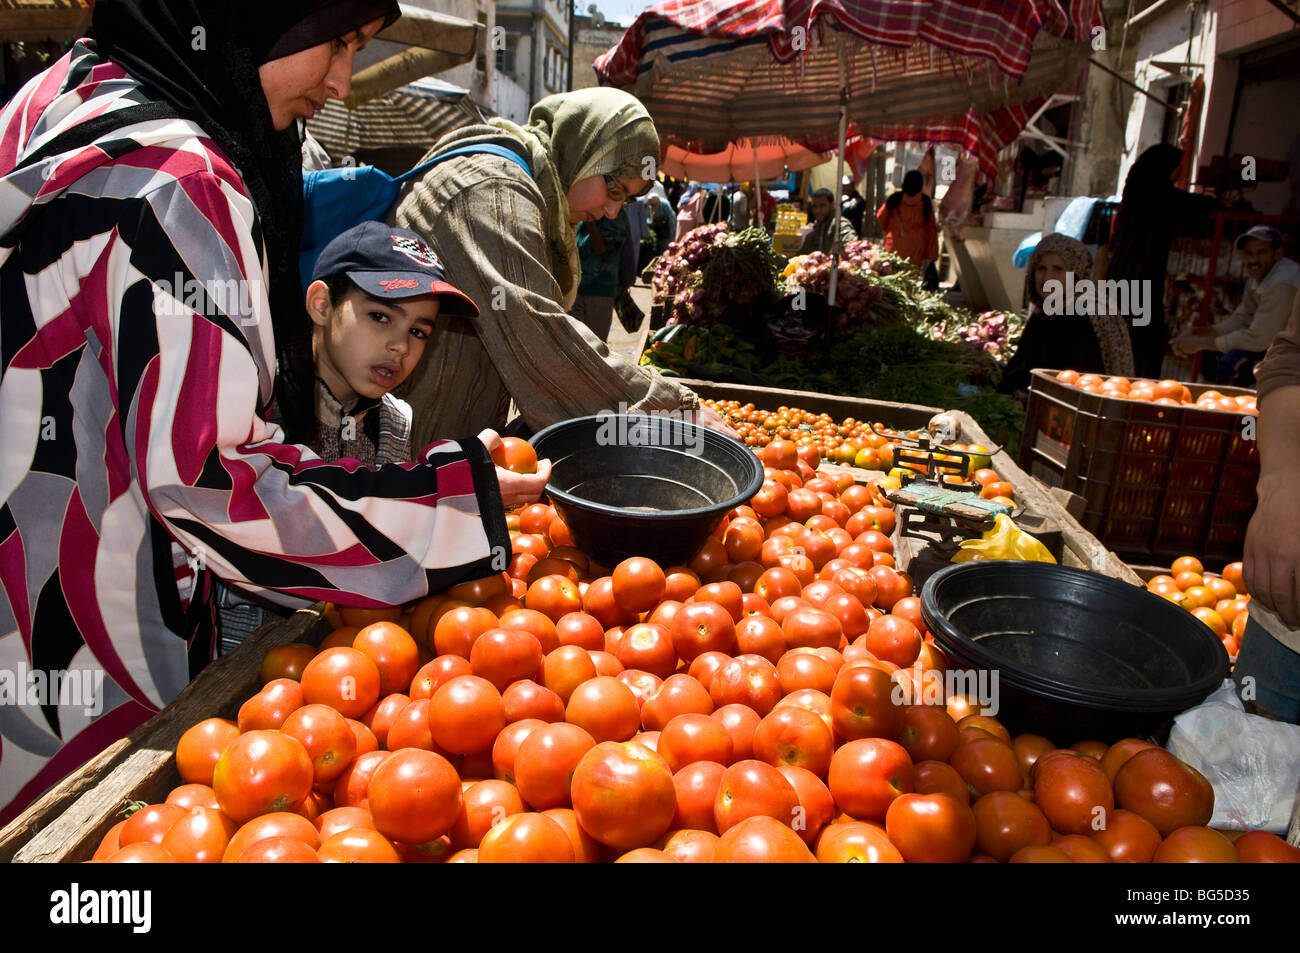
x=1272 y=282
x=600 y=252
x=1092 y=343
x=136 y=387
x=1151 y=214
x=1267 y=672
x=907 y=219
x=511 y=238
x=823 y=235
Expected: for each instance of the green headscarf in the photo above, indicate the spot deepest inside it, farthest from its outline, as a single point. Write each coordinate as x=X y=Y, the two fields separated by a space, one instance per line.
x=571 y=136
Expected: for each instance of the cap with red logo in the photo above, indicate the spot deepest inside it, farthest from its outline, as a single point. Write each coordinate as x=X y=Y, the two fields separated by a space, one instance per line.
x=389 y=262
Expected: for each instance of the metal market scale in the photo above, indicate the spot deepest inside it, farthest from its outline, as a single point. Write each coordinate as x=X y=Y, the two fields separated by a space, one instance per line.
x=937 y=516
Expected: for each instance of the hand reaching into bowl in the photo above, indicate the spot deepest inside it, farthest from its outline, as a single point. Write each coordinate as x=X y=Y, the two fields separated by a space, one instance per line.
x=517 y=488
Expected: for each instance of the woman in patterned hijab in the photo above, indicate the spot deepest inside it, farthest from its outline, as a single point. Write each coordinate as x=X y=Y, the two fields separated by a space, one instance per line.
x=1100 y=344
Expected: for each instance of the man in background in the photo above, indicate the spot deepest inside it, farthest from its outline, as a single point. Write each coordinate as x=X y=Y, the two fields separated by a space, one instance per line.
x=823 y=236
x=1242 y=338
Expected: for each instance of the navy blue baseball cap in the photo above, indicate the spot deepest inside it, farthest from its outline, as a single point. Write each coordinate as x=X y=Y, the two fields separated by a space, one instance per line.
x=389 y=262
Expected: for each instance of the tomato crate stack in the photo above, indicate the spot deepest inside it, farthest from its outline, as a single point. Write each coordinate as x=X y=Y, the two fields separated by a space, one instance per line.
x=1159 y=480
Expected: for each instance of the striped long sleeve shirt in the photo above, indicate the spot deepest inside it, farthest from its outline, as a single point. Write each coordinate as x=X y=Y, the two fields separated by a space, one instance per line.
x=137 y=456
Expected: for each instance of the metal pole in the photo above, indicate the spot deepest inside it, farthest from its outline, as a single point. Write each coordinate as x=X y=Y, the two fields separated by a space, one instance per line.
x=839 y=177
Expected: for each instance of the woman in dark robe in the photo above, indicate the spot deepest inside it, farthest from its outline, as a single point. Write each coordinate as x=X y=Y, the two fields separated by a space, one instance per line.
x=1152 y=213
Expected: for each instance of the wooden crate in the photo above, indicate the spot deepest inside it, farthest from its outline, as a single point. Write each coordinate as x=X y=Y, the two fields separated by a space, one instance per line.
x=69 y=821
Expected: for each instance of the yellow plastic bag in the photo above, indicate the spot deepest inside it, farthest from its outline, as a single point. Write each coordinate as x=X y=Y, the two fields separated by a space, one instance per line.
x=1005 y=540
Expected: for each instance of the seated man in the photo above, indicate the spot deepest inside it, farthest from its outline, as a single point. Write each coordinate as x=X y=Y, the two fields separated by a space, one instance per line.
x=822 y=237
x=1244 y=336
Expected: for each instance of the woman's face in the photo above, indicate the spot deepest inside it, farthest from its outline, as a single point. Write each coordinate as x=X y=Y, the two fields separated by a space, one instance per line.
x=297 y=86
x=1049 y=267
x=591 y=199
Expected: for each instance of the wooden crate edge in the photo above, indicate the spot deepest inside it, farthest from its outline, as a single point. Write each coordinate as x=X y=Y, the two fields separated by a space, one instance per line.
x=144 y=768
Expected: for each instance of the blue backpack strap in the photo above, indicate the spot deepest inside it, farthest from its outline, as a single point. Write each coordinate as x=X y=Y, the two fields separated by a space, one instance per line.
x=489 y=148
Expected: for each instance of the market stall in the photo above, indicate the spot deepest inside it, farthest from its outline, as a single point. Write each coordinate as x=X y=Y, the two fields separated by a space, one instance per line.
x=612 y=665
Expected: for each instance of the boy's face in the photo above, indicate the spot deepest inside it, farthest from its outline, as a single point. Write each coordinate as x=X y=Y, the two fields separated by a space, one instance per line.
x=367 y=346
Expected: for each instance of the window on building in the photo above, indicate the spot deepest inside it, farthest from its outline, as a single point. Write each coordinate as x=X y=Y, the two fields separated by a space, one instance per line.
x=505 y=61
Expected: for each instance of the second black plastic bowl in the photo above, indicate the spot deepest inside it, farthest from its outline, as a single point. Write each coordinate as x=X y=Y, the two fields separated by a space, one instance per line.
x=1078 y=655
x=630 y=485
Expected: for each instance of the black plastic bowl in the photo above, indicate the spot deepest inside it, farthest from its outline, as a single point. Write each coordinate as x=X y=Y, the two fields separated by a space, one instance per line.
x=1078 y=655
x=629 y=485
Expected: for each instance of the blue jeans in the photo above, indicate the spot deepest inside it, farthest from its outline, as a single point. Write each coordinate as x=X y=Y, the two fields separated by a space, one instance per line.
x=1235 y=368
x=1275 y=670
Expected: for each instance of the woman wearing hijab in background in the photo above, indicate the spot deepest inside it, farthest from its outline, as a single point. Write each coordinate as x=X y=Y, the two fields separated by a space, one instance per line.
x=151 y=311
x=1151 y=214
x=1096 y=343
x=511 y=241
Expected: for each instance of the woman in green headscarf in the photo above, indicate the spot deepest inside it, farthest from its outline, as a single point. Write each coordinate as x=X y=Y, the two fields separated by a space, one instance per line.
x=509 y=240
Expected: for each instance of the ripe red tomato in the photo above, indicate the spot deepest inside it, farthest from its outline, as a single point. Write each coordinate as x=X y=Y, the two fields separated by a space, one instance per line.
x=987 y=764
x=277 y=824
x=555 y=597
x=268 y=709
x=504 y=656
x=1074 y=794
x=696 y=788
x=749 y=680
x=931 y=828
x=741 y=723
x=200 y=747
x=394 y=653
x=586 y=849
x=693 y=737
x=893 y=639
x=679 y=694
x=812 y=628
x=929 y=733
x=455 y=631
x=648 y=646
x=1261 y=847
x=1006 y=822
x=938 y=777
x=286 y=661
x=526 y=838
x=867 y=774
x=261 y=772
x=545 y=762
x=190 y=796
x=794 y=736
x=856 y=842
x=344 y=679
x=150 y=824
x=759 y=634
x=1166 y=791
x=1195 y=845
x=414 y=796
x=465 y=715
x=863 y=704
x=483 y=805
x=760 y=839
x=358 y=846
x=891 y=586
x=505 y=750
x=751 y=788
x=325 y=734
x=410 y=729
x=623 y=795
x=701 y=627
x=515 y=455
x=816 y=806
x=690 y=846
x=606 y=708
x=200 y=837
x=343 y=819
x=526 y=699
x=353 y=784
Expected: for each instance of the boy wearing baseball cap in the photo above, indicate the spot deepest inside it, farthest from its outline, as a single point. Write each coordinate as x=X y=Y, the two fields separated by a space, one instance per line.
x=373 y=299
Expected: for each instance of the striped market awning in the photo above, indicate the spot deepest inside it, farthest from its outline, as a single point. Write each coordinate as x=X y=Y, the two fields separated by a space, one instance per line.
x=414 y=115
x=964 y=72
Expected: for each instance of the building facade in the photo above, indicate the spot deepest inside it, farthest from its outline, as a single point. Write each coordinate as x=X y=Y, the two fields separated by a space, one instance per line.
x=531 y=50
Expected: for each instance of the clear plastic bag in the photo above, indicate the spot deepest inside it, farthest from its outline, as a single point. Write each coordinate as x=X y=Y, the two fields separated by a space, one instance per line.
x=1005 y=540
x=1252 y=762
